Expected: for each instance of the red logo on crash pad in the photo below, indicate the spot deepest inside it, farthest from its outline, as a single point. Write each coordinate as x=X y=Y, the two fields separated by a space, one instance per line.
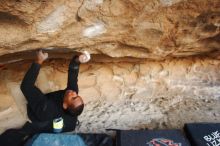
x=163 y=142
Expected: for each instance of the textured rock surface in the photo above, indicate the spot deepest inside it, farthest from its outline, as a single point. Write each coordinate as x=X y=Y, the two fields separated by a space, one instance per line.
x=147 y=94
x=143 y=29
x=136 y=78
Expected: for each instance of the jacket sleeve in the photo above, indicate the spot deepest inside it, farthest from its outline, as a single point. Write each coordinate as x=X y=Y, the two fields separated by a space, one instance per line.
x=73 y=71
x=30 y=77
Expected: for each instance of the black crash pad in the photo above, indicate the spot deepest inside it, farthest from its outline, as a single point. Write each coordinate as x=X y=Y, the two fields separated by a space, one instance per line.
x=203 y=134
x=150 y=138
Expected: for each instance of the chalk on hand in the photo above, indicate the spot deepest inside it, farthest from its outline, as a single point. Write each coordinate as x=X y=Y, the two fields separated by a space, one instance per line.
x=87 y=55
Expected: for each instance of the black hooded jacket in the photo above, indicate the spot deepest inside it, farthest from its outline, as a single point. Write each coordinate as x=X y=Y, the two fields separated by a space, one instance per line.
x=42 y=108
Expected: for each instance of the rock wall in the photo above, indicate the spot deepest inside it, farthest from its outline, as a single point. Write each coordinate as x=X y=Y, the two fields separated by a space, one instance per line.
x=155 y=63
x=125 y=95
x=155 y=29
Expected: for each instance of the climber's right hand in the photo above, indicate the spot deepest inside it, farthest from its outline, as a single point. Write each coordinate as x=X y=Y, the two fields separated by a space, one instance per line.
x=84 y=57
x=41 y=57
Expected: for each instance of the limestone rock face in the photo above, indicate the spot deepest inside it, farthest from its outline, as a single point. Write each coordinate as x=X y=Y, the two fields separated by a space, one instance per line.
x=155 y=29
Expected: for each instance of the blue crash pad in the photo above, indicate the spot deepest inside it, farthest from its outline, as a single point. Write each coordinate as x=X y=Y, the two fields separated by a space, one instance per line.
x=45 y=139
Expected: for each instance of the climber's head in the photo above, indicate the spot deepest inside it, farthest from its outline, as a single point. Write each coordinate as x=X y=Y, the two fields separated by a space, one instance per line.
x=73 y=102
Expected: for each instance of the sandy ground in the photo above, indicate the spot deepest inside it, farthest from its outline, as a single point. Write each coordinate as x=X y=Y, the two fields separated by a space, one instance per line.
x=158 y=113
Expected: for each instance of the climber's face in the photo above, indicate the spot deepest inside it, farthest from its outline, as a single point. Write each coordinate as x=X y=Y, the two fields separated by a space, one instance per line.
x=71 y=99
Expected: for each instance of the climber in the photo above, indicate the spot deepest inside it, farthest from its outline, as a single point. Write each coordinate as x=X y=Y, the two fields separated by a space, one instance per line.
x=52 y=112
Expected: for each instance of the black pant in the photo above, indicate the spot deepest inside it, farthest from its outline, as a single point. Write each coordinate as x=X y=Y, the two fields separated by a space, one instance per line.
x=12 y=137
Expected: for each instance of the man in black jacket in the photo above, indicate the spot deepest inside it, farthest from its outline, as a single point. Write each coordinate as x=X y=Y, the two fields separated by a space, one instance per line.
x=44 y=109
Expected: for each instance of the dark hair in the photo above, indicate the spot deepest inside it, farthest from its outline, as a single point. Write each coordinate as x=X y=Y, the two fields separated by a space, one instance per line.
x=76 y=111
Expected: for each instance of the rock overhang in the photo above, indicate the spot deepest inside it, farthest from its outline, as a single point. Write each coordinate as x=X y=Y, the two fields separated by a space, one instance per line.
x=139 y=29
